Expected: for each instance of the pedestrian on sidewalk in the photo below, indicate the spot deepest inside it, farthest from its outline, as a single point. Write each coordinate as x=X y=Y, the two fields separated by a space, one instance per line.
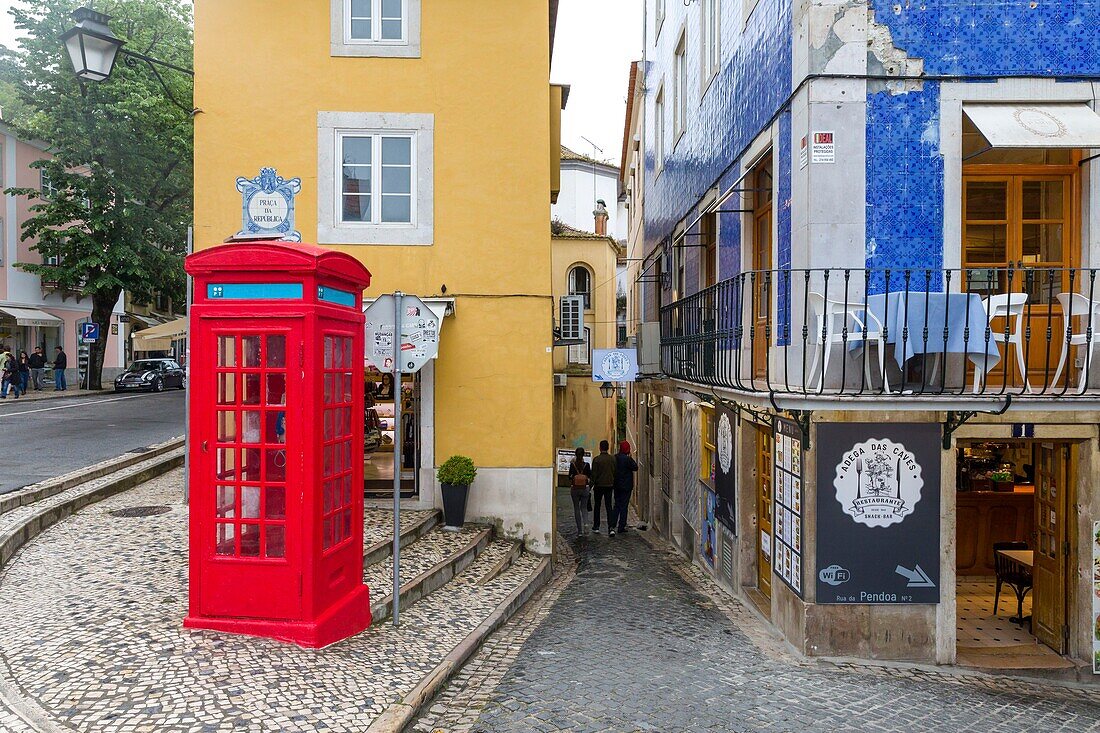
x=625 y=468
x=8 y=372
x=24 y=371
x=603 y=477
x=38 y=368
x=580 y=473
x=60 y=364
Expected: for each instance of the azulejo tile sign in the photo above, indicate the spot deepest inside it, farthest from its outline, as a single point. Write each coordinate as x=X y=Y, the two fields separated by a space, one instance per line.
x=878 y=513
x=267 y=205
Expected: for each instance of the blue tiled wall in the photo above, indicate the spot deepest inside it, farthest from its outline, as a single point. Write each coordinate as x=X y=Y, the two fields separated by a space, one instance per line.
x=739 y=103
x=996 y=37
x=904 y=181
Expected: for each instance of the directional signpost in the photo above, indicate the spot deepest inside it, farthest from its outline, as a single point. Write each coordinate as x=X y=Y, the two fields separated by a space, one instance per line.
x=417 y=342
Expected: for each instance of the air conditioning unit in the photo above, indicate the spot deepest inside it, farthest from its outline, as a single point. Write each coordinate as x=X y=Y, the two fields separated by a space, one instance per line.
x=561 y=380
x=649 y=348
x=571 y=320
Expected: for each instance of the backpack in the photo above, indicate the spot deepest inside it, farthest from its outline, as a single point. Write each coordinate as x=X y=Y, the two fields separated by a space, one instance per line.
x=580 y=479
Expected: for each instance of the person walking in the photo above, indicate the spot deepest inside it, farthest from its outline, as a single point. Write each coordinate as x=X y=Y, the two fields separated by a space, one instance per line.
x=603 y=477
x=7 y=371
x=625 y=468
x=24 y=371
x=580 y=473
x=37 y=363
x=60 y=364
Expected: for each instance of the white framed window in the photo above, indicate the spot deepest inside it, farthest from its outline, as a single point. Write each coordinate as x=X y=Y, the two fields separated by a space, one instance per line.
x=581 y=353
x=580 y=283
x=659 y=130
x=679 y=89
x=712 y=40
x=376 y=28
x=45 y=185
x=375 y=178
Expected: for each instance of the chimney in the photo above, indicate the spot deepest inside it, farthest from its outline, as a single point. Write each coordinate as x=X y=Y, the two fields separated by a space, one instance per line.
x=601 y=217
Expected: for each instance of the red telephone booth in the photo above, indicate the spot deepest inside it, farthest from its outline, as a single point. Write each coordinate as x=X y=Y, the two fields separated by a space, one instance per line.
x=276 y=442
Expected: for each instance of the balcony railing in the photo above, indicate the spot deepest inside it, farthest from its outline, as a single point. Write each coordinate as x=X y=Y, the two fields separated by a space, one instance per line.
x=1029 y=332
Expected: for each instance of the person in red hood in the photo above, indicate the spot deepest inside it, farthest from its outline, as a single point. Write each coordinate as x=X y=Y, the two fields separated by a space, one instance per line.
x=625 y=468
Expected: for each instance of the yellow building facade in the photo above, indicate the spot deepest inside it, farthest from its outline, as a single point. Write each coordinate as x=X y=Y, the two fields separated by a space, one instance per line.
x=419 y=132
x=584 y=264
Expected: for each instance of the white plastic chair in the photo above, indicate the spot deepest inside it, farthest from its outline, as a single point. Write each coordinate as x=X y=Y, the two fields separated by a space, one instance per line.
x=1010 y=306
x=832 y=315
x=1080 y=307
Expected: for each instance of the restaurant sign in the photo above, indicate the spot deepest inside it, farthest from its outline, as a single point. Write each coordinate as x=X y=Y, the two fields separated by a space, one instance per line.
x=878 y=513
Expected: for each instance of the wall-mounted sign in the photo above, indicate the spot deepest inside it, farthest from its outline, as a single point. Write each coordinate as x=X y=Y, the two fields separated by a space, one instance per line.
x=565 y=455
x=725 y=482
x=803 y=153
x=614 y=365
x=878 y=513
x=787 y=504
x=267 y=205
x=823 y=149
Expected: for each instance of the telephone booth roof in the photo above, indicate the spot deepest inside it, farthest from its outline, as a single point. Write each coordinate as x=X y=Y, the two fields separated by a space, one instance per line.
x=278 y=256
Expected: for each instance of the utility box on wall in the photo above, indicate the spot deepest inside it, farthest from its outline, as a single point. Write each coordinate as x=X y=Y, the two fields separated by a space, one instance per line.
x=276 y=440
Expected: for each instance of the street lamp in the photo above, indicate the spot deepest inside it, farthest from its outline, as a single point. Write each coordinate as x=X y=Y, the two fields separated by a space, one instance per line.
x=91 y=45
x=607 y=389
x=93 y=49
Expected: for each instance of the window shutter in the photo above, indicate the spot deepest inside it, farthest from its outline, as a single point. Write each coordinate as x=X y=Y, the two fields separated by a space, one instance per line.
x=572 y=317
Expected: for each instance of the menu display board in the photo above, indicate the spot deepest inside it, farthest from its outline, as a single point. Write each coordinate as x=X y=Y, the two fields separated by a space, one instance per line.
x=787 y=509
x=1096 y=597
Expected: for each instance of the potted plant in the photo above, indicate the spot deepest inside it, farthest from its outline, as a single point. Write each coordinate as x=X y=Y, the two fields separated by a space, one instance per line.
x=455 y=476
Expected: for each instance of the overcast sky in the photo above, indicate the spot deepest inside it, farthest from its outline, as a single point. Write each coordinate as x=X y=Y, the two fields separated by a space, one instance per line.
x=596 y=41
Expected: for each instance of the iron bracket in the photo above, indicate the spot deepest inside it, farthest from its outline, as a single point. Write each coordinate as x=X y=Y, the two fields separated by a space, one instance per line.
x=957 y=418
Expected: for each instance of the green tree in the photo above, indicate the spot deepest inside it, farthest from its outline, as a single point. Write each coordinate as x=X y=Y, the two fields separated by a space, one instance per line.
x=114 y=216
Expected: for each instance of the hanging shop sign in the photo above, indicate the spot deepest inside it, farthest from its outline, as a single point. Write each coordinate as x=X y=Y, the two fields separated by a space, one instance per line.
x=787 y=504
x=614 y=365
x=878 y=513
x=267 y=205
x=725 y=482
x=419 y=333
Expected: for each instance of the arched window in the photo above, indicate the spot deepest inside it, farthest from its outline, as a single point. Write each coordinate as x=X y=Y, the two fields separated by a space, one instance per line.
x=580 y=283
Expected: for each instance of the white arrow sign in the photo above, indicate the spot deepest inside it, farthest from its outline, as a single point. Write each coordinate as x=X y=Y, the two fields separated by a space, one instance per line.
x=917 y=577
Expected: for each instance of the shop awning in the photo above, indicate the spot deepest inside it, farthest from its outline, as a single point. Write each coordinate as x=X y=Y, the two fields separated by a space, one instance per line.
x=171 y=330
x=1036 y=125
x=31 y=317
x=143 y=321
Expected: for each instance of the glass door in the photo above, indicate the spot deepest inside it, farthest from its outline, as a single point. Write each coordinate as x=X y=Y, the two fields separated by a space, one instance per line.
x=248 y=444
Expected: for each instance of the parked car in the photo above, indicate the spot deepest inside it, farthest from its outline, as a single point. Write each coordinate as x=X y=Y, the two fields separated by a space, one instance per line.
x=153 y=375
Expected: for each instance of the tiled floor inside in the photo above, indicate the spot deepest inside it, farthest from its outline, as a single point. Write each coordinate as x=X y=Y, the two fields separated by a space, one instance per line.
x=978 y=626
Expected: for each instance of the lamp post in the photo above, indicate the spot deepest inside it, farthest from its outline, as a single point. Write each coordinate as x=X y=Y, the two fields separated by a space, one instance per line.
x=607 y=389
x=93 y=49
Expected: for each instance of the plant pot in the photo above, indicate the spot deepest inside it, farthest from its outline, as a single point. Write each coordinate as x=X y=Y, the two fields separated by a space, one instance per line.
x=1004 y=486
x=454 y=504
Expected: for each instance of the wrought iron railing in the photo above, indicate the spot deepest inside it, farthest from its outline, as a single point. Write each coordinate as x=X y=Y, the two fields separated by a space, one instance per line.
x=1021 y=331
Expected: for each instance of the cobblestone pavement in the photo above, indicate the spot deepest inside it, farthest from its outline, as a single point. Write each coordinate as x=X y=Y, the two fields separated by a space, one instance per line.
x=632 y=643
x=92 y=638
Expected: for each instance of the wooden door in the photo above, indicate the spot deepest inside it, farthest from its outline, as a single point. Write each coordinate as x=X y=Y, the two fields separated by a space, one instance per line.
x=761 y=265
x=765 y=452
x=1048 y=602
x=1024 y=222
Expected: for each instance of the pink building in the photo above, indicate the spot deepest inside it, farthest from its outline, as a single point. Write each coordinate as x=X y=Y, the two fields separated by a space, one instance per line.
x=33 y=312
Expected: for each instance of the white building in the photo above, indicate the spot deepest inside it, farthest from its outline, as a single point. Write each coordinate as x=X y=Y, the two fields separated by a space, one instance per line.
x=584 y=181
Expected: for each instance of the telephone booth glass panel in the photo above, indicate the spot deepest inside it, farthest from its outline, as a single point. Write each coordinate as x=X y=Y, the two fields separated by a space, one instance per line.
x=337 y=514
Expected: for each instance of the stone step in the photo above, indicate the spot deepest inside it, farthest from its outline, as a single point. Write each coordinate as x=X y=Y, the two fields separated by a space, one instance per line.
x=378 y=531
x=426 y=566
x=22 y=524
x=481 y=605
x=53 y=486
x=507 y=559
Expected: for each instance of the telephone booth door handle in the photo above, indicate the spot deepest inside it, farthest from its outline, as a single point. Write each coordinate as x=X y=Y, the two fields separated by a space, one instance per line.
x=205 y=446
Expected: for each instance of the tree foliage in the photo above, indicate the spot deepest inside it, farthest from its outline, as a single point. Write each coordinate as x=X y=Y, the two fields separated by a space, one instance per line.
x=115 y=214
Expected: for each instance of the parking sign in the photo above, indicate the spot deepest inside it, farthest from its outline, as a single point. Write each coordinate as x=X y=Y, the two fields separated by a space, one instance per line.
x=89 y=333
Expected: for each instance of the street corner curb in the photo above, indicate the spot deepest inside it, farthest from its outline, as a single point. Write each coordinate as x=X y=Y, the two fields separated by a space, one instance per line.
x=17 y=536
x=58 y=484
x=401 y=713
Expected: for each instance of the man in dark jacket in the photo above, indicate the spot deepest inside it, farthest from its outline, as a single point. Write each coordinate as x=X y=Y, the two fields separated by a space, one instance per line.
x=60 y=364
x=37 y=363
x=603 y=478
x=625 y=468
